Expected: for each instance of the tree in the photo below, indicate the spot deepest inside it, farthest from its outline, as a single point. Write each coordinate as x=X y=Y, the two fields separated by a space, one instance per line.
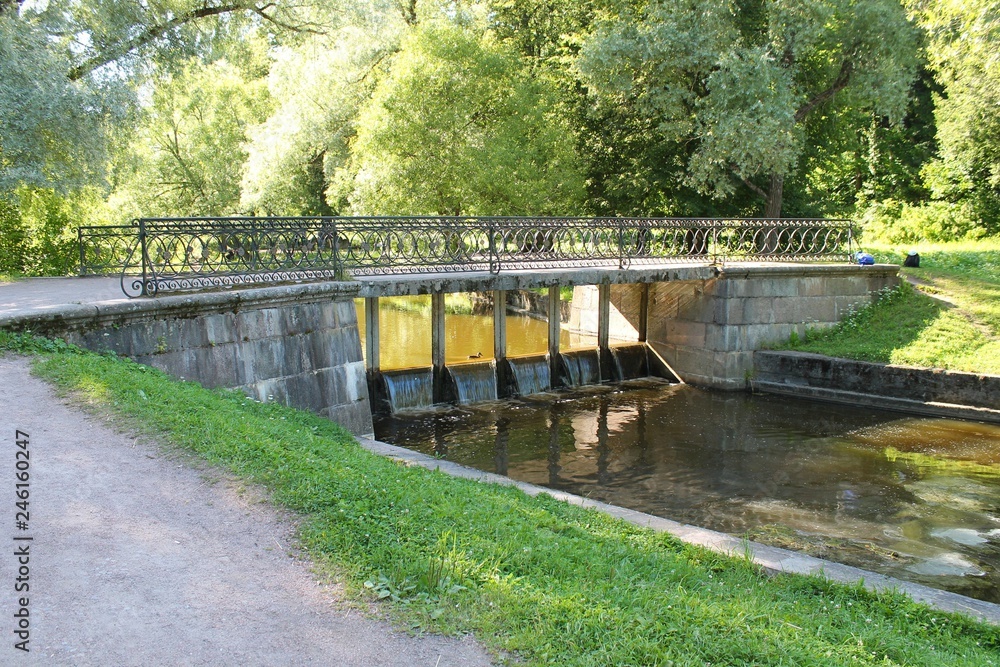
x=53 y=131
x=189 y=152
x=962 y=51
x=738 y=84
x=69 y=69
x=460 y=125
x=319 y=88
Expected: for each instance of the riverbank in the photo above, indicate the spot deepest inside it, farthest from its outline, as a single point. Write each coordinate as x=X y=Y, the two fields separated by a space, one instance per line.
x=947 y=316
x=532 y=576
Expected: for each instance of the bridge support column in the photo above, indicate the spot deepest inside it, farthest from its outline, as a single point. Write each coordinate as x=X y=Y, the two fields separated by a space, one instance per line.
x=372 y=362
x=603 y=329
x=554 y=379
x=438 y=344
x=500 y=343
x=643 y=312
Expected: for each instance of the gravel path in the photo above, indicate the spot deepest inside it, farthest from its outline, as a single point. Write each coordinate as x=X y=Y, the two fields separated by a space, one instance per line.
x=145 y=557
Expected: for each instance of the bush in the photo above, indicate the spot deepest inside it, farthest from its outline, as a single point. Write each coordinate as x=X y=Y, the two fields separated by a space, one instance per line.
x=38 y=230
x=894 y=221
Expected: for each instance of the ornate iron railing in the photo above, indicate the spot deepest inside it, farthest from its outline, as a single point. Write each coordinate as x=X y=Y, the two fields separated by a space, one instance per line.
x=158 y=254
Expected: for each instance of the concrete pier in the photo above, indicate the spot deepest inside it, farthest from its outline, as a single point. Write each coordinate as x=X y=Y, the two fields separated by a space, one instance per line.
x=554 y=322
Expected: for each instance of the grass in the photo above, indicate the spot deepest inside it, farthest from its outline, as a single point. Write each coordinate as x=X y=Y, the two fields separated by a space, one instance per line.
x=533 y=578
x=565 y=292
x=454 y=304
x=950 y=319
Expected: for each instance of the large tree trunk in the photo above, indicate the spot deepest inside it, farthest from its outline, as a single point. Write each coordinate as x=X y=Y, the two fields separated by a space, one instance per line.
x=773 y=207
x=317 y=185
x=769 y=240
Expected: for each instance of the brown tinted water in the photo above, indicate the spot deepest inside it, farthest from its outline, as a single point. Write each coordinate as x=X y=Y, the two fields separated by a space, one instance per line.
x=914 y=498
x=467 y=334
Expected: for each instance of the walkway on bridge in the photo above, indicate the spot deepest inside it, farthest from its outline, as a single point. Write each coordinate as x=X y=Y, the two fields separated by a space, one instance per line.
x=38 y=296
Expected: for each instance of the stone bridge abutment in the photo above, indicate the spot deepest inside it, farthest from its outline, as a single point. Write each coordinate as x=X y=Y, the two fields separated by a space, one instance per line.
x=708 y=329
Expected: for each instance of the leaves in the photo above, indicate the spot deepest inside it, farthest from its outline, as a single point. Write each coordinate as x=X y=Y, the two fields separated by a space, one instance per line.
x=460 y=125
x=739 y=85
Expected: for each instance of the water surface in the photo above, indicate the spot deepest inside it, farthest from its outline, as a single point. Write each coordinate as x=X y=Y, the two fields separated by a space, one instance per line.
x=467 y=334
x=914 y=498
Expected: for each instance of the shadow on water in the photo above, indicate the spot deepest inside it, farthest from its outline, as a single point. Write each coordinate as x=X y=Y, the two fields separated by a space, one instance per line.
x=914 y=498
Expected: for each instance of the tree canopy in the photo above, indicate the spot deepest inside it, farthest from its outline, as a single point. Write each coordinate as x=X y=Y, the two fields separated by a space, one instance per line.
x=739 y=82
x=878 y=109
x=459 y=126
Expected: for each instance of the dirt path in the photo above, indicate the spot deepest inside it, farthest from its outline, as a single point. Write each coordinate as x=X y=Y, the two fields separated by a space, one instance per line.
x=143 y=557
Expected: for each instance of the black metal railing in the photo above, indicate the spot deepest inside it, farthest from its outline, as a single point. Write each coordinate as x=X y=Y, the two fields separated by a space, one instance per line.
x=159 y=254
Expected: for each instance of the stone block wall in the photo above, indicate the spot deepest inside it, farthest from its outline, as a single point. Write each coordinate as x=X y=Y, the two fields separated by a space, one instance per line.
x=708 y=330
x=623 y=322
x=797 y=370
x=297 y=345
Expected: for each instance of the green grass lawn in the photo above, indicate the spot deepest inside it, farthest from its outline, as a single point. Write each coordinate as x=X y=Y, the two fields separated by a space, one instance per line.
x=949 y=318
x=532 y=578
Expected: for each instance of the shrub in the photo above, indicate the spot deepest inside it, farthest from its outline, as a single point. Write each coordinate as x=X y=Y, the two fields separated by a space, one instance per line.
x=38 y=229
x=894 y=221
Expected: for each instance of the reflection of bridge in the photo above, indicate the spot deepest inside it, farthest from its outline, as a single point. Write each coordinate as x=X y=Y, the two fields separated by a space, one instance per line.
x=156 y=255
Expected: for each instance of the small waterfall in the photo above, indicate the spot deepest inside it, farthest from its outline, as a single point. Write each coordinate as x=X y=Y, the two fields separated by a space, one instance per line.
x=583 y=367
x=410 y=388
x=531 y=374
x=474 y=382
x=630 y=362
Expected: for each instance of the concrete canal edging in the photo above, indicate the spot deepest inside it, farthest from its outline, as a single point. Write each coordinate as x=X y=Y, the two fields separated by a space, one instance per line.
x=923 y=391
x=772 y=559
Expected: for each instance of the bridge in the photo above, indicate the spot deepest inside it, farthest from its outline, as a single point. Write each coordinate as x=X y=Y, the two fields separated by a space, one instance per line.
x=156 y=255
x=266 y=305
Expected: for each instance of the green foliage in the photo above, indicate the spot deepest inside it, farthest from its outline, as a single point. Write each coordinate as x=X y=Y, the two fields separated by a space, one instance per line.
x=861 y=160
x=188 y=154
x=69 y=70
x=541 y=29
x=53 y=131
x=27 y=343
x=962 y=40
x=303 y=148
x=38 y=229
x=460 y=125
x=892 y=221
x=550 y=582
x=739 y=85
x=185 y=107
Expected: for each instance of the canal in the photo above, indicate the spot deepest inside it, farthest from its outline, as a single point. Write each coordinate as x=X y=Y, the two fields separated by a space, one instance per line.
x=917 y=499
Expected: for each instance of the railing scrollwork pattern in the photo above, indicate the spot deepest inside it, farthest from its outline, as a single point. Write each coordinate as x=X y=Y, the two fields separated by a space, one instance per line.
x=156 y=255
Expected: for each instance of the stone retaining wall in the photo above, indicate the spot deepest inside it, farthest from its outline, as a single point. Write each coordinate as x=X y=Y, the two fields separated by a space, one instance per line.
x=708 y=331
x=918 y=390
x=297 y=344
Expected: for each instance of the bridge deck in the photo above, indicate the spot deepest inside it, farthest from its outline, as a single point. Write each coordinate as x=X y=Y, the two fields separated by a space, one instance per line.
x=47 y=296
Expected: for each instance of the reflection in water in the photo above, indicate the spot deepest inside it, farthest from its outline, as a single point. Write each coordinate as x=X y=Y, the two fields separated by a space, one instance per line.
x=915 y=498
x=467 y=334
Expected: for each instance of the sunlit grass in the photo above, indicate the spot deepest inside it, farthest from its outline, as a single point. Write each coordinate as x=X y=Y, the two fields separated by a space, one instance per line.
x=549 y=582
x=951 y=319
